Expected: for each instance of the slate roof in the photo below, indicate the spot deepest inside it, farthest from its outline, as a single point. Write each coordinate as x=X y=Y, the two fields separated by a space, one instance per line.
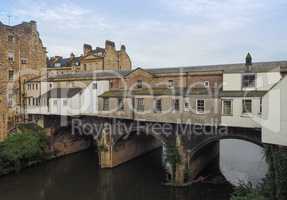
x=89 y=75
x=276 y=66
x=62 y=93
x=226 y=68
x=65 y=62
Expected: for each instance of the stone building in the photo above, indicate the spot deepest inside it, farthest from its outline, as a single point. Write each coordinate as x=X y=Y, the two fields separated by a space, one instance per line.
x=99 y=59
x=22 y=56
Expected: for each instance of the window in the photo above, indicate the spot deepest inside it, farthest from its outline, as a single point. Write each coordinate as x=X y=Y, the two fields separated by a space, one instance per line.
x=139 y=84
x=120 y=104
x=246 y=106
x=200 y=104
x=157 y=105
x=140 y=104
x=170 y=83
x=248 y=80
x=55 y=102
x=85 y=67
x=10 y=100
x=186 y=105
x=206 y=84
x=50 y=85
x=95 y=86
x=65 y=102
x=227 y=107
x=37 y=86
x=10 y=38
x=11 y=75
x=24 y=61
x=260 y=109
x=106 y=104
x=176 y=106
x=111 y=84
x=11 y=57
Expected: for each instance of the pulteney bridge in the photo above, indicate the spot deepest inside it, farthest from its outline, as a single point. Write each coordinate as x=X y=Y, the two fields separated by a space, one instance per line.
x=187 y=149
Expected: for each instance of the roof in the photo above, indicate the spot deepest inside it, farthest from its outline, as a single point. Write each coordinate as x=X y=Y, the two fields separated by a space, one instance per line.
x=242 y=93
x=64 y=62
x=226 y=68
x=62 y=92
x=89 y=75
x=159 y=92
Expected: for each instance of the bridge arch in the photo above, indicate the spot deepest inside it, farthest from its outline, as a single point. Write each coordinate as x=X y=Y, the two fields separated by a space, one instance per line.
x=213 y=139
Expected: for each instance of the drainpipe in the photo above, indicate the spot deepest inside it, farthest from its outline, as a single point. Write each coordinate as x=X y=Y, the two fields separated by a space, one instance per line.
x=133 y=108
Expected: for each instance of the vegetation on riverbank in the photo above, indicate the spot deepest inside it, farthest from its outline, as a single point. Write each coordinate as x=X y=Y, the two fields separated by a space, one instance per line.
x=275 y=184
x=26 y=146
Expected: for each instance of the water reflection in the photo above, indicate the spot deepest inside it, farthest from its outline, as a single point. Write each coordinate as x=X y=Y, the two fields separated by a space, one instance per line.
x=242 y=162
x=78 y=177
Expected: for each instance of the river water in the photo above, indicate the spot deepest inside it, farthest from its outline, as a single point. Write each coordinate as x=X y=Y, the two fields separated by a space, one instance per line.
x=78 y=177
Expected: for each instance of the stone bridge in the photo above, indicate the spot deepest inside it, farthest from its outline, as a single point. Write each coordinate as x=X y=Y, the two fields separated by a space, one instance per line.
x=187 y=149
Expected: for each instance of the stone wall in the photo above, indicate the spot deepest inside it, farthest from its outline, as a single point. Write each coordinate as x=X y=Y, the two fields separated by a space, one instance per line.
x=22 y=44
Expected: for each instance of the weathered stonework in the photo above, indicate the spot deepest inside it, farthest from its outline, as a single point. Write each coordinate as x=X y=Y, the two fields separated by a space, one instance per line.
x=22 y=56
x=108 y=58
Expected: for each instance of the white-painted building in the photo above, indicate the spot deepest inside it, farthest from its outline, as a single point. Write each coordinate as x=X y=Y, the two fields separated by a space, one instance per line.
x=34 y=89
x=274 y=117
x=69 y=101
x=242 y=92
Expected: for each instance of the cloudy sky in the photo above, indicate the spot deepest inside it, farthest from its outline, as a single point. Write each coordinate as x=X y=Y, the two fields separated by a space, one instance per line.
x=160 y=33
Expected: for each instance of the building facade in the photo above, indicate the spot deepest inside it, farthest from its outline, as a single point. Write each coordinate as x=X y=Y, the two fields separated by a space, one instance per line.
x=22 y=57
x=99 y=59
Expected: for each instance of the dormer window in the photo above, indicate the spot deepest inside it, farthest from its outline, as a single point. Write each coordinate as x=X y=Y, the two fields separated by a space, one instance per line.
x=248 y=80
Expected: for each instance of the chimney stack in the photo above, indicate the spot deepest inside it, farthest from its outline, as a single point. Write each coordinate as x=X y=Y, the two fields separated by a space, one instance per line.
x=110 y=45
x=87 y=49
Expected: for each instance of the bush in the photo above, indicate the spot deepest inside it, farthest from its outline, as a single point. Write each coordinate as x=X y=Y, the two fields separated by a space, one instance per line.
x=247 y=192
x=22 y=148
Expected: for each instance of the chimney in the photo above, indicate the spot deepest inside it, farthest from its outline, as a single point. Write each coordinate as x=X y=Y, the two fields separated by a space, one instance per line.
x=248 y=62
x=33 y=25
x=123 y=48
x=87 y=49
x=72 y=56
x=110 y=44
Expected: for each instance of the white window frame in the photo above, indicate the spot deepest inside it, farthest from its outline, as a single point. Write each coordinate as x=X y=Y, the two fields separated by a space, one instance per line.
x=242 y=104
x=231 y=107
x=248 y=87
x=197 y=110
x=140 y=106
x=206 y=84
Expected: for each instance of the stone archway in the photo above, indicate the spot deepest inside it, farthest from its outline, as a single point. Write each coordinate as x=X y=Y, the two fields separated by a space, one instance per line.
x=208 y=150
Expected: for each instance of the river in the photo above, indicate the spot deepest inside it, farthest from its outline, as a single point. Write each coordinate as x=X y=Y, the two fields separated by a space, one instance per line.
x=78 y=177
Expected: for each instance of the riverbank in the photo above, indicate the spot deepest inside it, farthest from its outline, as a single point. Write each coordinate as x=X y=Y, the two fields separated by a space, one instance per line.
x=29 y=145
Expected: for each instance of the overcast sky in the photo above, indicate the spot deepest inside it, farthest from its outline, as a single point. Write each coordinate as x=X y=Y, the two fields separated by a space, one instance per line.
x=160 y=33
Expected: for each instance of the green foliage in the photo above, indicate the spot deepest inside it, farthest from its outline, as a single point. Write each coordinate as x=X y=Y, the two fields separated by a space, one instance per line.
x=275 y=184
x=246 y=192
x=172 y=155
x=20 y=149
